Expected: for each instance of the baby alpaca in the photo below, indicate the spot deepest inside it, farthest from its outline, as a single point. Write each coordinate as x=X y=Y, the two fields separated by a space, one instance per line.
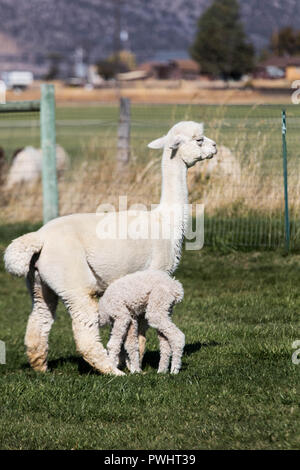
x=150 y=294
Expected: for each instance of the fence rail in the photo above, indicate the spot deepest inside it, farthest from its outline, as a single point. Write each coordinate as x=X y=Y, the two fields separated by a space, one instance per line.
x=245 y=193
x=20 y=107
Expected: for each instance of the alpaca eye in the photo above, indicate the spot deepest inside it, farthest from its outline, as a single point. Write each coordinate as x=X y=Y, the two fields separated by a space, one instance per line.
x=200 y=141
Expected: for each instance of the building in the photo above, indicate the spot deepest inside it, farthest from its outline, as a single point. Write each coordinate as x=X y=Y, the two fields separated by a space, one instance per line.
x=279 y=67
x=293 y=69
x=175 y=69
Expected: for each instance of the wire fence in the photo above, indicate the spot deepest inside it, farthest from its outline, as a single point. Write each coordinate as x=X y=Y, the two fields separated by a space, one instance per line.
x=242 y=188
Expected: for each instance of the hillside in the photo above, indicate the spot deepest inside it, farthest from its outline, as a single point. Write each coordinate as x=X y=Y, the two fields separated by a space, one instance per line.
x=43 y=26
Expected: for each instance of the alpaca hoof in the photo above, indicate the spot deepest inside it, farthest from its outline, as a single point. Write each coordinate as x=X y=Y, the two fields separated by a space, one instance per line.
x=37 y=361
x=118 y=372
x=42 y=368
x=162 y=371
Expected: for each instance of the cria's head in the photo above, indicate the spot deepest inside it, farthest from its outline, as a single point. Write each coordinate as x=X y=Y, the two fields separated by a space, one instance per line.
x=186 y=140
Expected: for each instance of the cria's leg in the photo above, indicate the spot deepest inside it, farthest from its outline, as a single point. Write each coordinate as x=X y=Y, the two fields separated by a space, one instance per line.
x=177 y=343
x=117 y=336
x=174 y=336
x=142 y=326
x=84 y=312
x=157 y=314
x=131 y=337
x=132 y=348
x=165 y=353
x=44 y=303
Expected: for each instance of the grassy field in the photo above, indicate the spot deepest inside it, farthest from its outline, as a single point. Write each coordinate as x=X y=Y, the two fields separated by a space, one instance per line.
x=76 y=125
x=244 y=210
x=238 y=388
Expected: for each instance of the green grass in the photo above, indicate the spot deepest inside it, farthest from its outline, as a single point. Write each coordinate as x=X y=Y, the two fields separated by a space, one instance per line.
x=238 y=388
x=76 y=125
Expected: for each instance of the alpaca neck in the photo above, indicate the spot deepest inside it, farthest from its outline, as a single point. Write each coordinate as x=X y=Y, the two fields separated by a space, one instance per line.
x=174 y=181
x=174 y=204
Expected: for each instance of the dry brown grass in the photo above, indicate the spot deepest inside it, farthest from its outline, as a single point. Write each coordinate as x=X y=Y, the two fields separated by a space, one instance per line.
x=99 y=179
x=159 y=92
x=96 y=180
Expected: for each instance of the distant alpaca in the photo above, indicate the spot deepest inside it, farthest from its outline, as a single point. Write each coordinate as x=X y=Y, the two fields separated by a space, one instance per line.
x=26 y=165
x=149 y=294
x=224 y=164
x=2 y=165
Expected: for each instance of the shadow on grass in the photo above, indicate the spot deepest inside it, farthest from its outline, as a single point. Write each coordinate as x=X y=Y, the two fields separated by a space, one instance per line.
x=82 y=365
x=151 y=359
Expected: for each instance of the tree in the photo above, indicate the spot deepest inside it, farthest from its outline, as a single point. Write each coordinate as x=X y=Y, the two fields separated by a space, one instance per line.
x=286 y=41
x=220 y=46
x=107 y=69
x=127 y=58
x=123 y=63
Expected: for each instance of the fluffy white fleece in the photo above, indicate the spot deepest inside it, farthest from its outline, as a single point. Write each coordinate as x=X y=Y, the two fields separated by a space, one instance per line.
x=27 y=165
x=72 y=262
x=149 y=294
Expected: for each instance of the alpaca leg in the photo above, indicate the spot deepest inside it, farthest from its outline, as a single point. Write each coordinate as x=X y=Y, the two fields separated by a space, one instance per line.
x=132 y=348
x=177 y=345
x=85 y=324
x=158 y=315
x=176 y=340
x=131 y=337
x=44 y=303
x=142 y=327
x=174 y=336
x=117 y=336
x=165 y=353
x=73 y=280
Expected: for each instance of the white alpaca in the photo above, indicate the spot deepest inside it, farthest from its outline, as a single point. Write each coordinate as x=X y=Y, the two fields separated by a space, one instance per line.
x=27 y=165
x=69 y=258
x=225 y=164
x=148 y=294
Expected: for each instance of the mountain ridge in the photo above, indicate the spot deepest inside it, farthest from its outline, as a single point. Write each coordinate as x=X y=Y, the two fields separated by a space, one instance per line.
x=40 y=27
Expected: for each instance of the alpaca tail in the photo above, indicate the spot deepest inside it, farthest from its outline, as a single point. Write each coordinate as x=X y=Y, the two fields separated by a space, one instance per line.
x=18 y=254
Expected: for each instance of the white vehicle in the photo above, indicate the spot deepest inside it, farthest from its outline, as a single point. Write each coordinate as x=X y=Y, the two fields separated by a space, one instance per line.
x=2 y=92
x=17 y=79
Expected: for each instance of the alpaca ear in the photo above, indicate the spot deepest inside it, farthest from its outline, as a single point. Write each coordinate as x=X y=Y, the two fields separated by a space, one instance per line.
x=176 y=141
x=158 y=143
x=201 y=127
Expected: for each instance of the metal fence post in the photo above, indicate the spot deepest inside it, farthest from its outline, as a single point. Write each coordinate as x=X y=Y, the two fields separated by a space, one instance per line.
x=48 y=144
x=123 y=151
x=285 y=177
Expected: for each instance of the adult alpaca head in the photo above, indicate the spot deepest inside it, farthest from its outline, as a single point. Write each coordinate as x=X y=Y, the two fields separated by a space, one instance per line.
x=186 y=141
